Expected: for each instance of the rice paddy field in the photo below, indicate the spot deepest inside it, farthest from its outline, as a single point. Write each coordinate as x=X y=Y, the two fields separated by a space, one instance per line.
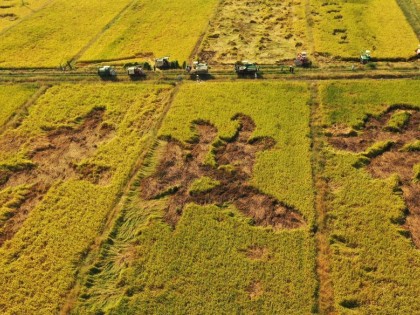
x=171 y=193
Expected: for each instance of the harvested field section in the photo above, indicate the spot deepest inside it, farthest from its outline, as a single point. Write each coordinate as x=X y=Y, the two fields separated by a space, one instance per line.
x=263 y=31
x=345 y=28
x=54 y=35
x=12 y=97
x=151 y=29
x=370 y=172
x=200 y=232
x=62 y=170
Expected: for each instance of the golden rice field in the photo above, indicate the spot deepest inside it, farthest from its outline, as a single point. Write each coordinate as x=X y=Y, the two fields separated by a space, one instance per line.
x=344 y=29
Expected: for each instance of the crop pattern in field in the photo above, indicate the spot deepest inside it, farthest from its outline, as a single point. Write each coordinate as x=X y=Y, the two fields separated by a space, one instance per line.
x=186 y=242
x=261 y=30
x=372 y=165
x=61 y=171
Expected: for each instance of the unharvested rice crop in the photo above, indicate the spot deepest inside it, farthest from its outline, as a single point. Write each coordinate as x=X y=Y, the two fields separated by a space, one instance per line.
x=60 y=178
x=56 y=34
x=11 y=98
x=345 y=28
x=154 y=29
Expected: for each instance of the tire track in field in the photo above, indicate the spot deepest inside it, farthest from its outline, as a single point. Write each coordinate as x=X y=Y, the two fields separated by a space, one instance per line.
x=325 y=292
x=22 y=111
x=92 y=254
x=101 y=32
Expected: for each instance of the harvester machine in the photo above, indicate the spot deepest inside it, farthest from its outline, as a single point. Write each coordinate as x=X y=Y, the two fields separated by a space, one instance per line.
x=302 y=60
x=365 y=57
x=107 y=72
x=162 y=63
x=417 y=51
x=198 y=68
x=135 y=71
x=246 y=68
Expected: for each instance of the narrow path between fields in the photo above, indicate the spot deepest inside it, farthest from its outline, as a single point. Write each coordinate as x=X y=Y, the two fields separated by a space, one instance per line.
x=323 y=267
x=94 y=250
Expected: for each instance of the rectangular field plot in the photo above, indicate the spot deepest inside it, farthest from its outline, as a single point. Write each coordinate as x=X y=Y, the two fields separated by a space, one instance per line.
x=154 y=29
x=219 y=219
x=12 y=97
x=263 y=31
x=345 y=28
x=57 y=33
x=61 y=172
x=372 y=170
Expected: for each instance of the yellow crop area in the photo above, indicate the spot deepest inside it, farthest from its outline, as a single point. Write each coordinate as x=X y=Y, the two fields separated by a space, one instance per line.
x=263 y=31
x=154 y=29
x=215 y=259
x=345 y=28
x=70 y=160
x=375 y=265
x=11 y=98
x=56 y=34
x=13 y=11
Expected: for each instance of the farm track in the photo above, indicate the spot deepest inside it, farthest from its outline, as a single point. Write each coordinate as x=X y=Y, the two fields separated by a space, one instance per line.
x=325 y=292
x=51 y=76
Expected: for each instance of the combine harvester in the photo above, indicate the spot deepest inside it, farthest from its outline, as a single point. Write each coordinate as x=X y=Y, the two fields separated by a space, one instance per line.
x=107 y=72
x=246 y=68
x=162 y=63
x=365 y=57
x=135 y=72
x=302 y=60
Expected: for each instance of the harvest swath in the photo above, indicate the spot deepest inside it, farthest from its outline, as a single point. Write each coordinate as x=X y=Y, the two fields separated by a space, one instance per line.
x=344 y=29
x=146 y=30
x=60 y=178
x=376 y=268
x=215 y=258
x=57 y=33
x=12 y=98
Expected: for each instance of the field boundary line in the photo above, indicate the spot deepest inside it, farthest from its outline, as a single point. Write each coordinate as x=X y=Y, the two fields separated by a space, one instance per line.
x=22 y=111
x=27 y=17
x=325 y=291
x=197 y=46
x=121 y=199
x=411 y=14
x=101 y=32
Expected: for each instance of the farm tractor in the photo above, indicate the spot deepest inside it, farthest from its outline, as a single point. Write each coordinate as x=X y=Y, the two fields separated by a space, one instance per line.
x=365 y=57
x=107 y=72
x=162 y=63
x=302 y=60
x=198 y=68
x=135 y=71
x=246 y=68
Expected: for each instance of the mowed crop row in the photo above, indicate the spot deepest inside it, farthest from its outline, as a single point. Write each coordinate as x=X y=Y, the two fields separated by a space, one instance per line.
x=12 y=97
x=61 y=172
x=151 y=29
x=57 y=33
x=196 y=235
x=344 y=29
x=373 y=206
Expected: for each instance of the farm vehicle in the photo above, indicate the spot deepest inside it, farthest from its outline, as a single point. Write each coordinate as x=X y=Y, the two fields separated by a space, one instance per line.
x=245 y=67
x=107 y=72
x=198 y=68
x=417 y=51
x=302 y=60
x=135 y=71
x=162 y=63
x=365 y=57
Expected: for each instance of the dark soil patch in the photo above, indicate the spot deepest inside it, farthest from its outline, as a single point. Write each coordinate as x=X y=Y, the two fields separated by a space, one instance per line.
x=395 y=160
x=182 y=164
x=55 y=157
